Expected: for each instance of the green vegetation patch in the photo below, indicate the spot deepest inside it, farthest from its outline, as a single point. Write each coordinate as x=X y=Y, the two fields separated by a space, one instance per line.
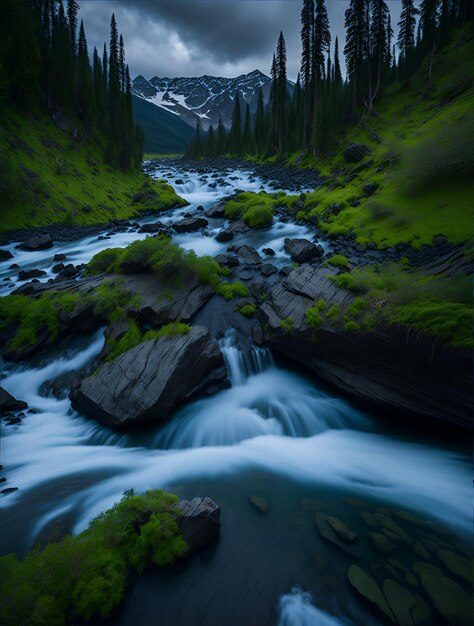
x=287 y=324
x=248 y=310
x=169 y=261
x=338 y=260
x=134 y=336
x=86 y=576
x=256 y=209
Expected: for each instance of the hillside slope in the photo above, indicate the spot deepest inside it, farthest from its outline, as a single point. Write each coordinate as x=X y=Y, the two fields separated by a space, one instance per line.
x=165 y=132
x=46 y=177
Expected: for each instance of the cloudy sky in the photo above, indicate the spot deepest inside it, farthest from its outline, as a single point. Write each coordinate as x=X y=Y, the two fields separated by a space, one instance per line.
x=216 y=37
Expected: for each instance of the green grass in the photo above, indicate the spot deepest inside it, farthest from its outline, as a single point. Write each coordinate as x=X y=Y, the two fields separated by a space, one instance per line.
x=86 y=576
x=46 y=178
x=256 y=209
x=248 y=310
x=134 y=336
x=338 y=260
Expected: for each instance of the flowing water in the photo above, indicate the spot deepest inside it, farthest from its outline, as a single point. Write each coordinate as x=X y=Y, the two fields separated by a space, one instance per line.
x=274 y=433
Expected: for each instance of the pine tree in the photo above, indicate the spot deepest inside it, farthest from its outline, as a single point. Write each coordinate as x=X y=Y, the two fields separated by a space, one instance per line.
x=105 y=65
x=307 y=28
x=221 y=137
x=281 y=93
x=72 y=10
x=259 y=132
x=321 y=40
x=356 y=49
x=122 y=64
x=428 y=23
x=210 y=147
x=379 y=44
x=247 y=136
x=337 y=64
x=236 y=128
x=406 y=34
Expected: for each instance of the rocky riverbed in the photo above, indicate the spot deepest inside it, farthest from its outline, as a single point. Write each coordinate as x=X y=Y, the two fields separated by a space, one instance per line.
x=315 y=491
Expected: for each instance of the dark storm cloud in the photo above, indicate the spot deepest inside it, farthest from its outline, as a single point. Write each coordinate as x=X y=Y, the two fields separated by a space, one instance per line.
x=219 y=37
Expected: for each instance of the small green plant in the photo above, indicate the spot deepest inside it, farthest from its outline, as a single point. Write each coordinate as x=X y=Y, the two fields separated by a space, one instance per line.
x=351 y=327
x=357 y=307
x=333 y=312
x=232 y=290
x=313 y=317
x=248 y=310
x=287 y=324
x=256 y=209
x=134 y=336
x=338 y=260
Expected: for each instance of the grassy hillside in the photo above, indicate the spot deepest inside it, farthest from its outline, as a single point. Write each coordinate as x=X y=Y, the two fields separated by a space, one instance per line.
x=421 y=139
x=45 y=178
x=165 y=133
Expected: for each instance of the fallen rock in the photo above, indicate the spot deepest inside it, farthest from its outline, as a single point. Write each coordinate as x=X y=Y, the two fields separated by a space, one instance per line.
x=216 y=212
x=356 y=152
x=224 y=235
x=200 y=521
x=327 y=532
x=38 y=242
x=369 y=590
x=8 y=403
x=190 y=224
x=145 y=384
x=227 y=260
x=260 y=503
x=302 y=250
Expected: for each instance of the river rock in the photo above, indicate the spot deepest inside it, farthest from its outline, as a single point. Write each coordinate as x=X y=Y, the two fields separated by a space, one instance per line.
x=224 y=235
x=409 y=609
x=451 y=601
x=268 y=251
x=59 y=257
x=346 y=534
x=190 y=224
x=248 y=255
x=268 y=269
x=381 y=542
x=328 y=533
x=57 y=268
x=259 y=503
x=227 y=260
x=5 y=255
x=145 y=384
x=38 y=242
x=456 y=564
x=27 y=274
x=216 y=212
x=8 y=403
x=356 y=152
x=200 y=522
x=302 y=250
x=152 y=228
x=369 y=590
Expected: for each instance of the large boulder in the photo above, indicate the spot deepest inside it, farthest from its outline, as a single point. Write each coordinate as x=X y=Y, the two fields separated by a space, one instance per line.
x=199 y=521
x=302 y=250
x=145 y=384
x=248 y=255
x=9 y=404
x=356 y=152
x=190 y=224
x=5 y=255
x=224 y=235
x=28 y=274
x=38 y=242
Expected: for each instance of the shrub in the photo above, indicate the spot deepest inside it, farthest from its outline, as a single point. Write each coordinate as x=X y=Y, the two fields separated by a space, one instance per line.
x=232 y=290
x=134 y=336
x=259 y=215
x=248 y=310
x=256 y=209
x=339 y=260
x=333 y=313
x=287 y=324
x=86 y=575
x=357 y=307
x=351 y=327
x=313 y=317
x=104 y=261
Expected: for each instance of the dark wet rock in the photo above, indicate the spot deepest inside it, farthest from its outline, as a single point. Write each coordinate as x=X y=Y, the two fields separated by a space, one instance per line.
x=408 y=607
x=190 y=224
x=257 y=334
x=248 y=255
x=38 y=242
x=179 y=181
x=227 y=260
x=326 y=530
x=53 y=532
x=259 y=503
x=268 y=251
x=370 y=592
x=239 y=227
x=145 y=384
x=456 y=564
x=199 y=521
x=8 y=490
x=5 y=255
x=157 y=227
x=8 y=403
x=58 y=268
x=27 y=289
x=356 y=152
x=217 y=211
x=13 y=266
x=245 y=275
x=286 y=270
x=302 y=250
x=370 y=188
x=200 y=208
x=439 y=240
x=346 y=534
x=224 y=235
x=69 y=271
x=27 y=274
x=268 y=269
x=390 y=368
x=421 y=550
x=451 y=601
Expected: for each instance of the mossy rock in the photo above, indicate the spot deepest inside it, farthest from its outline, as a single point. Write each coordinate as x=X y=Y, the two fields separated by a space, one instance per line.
x=409 y=609
x=260 y=503
x=370 y=592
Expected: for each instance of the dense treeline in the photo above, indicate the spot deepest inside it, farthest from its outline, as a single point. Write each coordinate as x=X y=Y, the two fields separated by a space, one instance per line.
x=311 y=117
x=44 y=62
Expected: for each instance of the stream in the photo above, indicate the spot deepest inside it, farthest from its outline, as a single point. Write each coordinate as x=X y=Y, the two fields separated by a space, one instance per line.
x=274 y=433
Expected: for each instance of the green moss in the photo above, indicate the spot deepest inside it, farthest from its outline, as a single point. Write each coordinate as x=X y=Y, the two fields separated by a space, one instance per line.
x=86 y=575
x=256 y=209
x=287 y=324
x=134 y=336
x=333 y=312
x=232 y=290
x=55 y=180
x=351 y=327
x=313 y=317
x=357 y=307
x=338 y=260
x=248 y=310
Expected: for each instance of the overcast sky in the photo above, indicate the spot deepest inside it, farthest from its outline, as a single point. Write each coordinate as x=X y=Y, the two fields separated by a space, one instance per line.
x=216 y=37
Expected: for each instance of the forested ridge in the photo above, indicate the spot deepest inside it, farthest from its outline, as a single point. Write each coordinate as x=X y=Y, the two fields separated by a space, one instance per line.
x=323 y=103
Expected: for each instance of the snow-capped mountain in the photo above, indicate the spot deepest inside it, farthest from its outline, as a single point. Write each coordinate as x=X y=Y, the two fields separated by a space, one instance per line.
x=206 y=98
